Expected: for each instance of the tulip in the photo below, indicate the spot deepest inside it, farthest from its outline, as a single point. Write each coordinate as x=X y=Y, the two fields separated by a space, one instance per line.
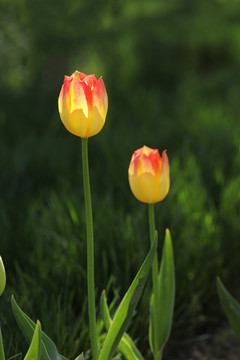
x=83 y=104
x=149 y=175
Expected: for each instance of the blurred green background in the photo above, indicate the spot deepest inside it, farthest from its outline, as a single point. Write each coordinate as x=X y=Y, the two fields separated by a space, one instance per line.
x=172 y=73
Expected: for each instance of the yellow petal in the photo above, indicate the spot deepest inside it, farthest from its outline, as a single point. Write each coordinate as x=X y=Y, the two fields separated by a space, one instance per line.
x=143 y=187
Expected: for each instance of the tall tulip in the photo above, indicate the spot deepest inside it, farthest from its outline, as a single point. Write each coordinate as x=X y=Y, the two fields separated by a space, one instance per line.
x=149 y=175
x=83 y=104
x=83 y=107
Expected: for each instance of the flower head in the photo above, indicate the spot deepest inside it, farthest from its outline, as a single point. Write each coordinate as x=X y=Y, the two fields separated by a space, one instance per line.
x=83 y=104
x=149 y=175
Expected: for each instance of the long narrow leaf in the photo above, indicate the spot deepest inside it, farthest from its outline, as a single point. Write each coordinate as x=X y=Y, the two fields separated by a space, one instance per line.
x=126 y=346
x=27 y=326
x=127 y=306
x=2 y=354
x=34 y=351
x=166 y=296
x=166 y=285
x=231 y=307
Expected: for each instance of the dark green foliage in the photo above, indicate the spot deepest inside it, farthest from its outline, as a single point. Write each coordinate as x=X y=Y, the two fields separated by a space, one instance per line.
x=171 y=70
x=230 y=306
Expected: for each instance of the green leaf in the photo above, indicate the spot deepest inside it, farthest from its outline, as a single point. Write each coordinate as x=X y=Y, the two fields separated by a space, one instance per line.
x=105 y=311
x=126 y=346
x=2 y=276
x=80 y=357
x=231 y=307
x=34 y=351
x=127 y=306
x=166 y=296
x=2 y=354
x=27 y=326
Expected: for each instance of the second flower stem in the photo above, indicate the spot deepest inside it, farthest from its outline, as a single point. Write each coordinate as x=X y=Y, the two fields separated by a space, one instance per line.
x=90 y=251
x=152 y=231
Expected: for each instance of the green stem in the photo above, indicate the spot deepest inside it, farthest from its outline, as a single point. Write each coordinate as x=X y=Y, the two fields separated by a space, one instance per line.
x=2 y=354
x=90 y=251
x=152 y=230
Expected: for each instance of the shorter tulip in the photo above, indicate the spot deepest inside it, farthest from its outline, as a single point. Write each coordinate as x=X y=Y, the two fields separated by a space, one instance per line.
x=83 y=104
x=149 y=175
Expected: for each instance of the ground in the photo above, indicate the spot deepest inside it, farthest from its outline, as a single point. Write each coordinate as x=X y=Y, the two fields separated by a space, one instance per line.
x=223 y=345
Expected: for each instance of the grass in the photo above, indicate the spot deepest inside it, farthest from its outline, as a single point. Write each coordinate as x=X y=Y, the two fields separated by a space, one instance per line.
x=172 y=77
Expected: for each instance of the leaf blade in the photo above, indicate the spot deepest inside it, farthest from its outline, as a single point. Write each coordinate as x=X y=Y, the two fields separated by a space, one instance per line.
x=80 y=357
x=34 y=351
x=166 y=296
x=126 y=345
x=231 y=307
x=27 y=326
x=127 y=306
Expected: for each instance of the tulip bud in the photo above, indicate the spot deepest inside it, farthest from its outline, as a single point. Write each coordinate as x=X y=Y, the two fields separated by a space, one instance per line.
x=149 y=175
x=2 y=277
x=83 y=104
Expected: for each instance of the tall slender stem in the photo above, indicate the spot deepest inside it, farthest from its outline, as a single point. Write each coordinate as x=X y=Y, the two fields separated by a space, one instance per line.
x=152 y=230
x=90 y=251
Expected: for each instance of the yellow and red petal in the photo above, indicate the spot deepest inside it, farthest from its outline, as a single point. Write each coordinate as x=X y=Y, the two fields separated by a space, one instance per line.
x=149 y=175
x=78 y=76
x=164 y=184
x=73 y=107
x=103 y=94
x=100 y=100
x=66 y=79
x=83 y=104
x=91 y=81
x=96 y=122
x=77 y=123
x=78 y=97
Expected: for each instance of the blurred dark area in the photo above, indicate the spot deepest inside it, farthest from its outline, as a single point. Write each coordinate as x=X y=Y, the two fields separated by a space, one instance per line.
x=172 y=73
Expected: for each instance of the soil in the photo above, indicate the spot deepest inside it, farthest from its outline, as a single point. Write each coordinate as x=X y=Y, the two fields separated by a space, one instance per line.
x=223 y=345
